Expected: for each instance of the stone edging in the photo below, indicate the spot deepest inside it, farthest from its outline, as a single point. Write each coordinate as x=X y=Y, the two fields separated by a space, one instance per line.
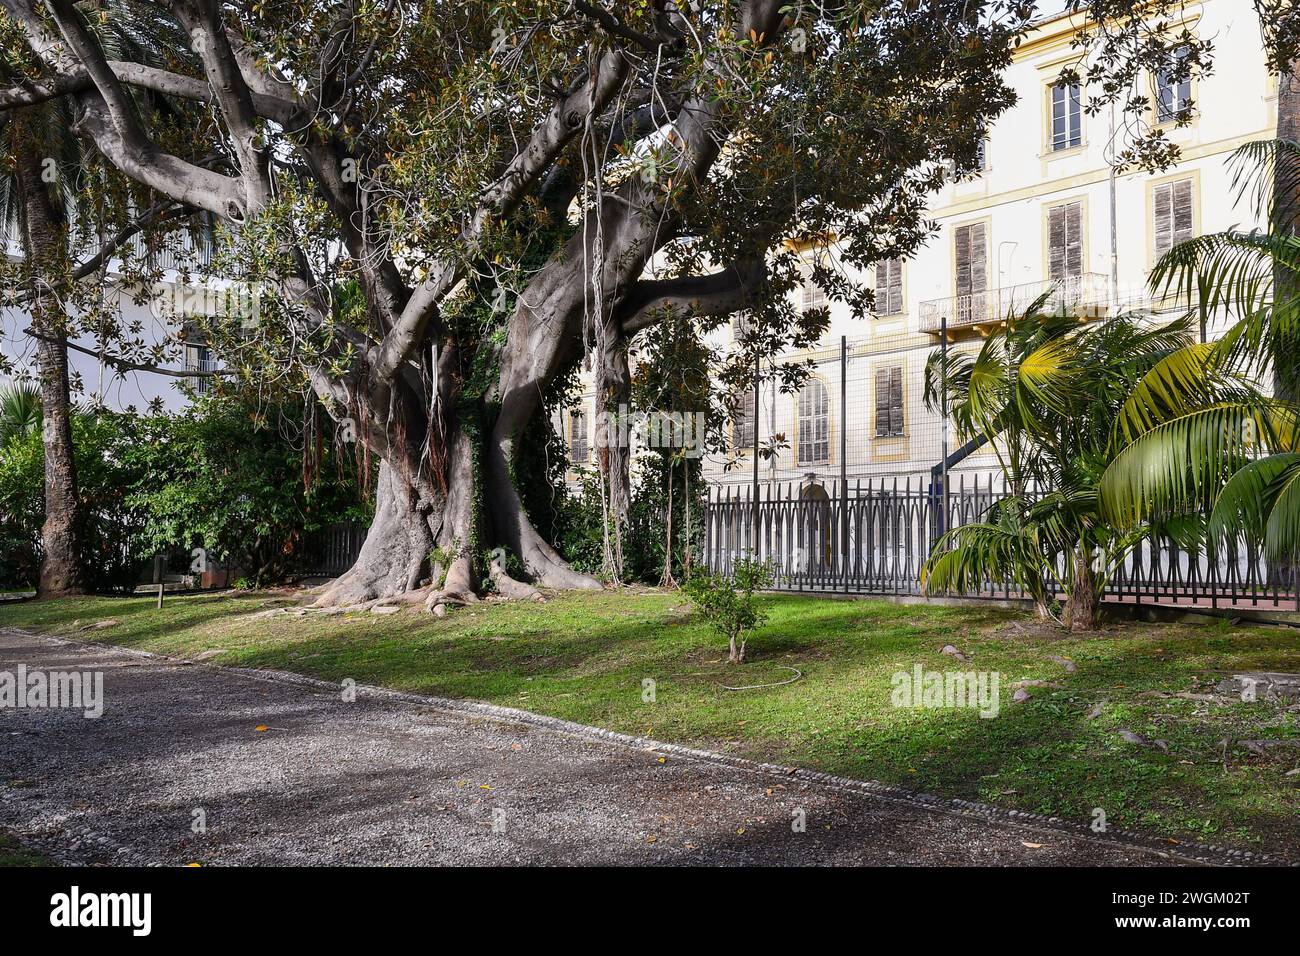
x=1210 y=855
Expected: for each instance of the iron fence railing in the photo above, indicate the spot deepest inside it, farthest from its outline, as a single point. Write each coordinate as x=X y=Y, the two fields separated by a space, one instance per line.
x=873 y=536
x=332 y=550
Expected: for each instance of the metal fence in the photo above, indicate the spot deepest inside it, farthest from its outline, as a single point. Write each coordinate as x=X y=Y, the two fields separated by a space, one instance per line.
x=332 y=550
x=872 y=537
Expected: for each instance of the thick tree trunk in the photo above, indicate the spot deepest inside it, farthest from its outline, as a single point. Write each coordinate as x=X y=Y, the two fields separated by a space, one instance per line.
x=613 y=395
x=1084 y=600
x=395 y=553
x=44 y=234
x=545 y=334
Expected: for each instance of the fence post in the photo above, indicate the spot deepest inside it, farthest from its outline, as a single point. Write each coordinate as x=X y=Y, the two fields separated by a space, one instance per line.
x=943 y=425
x=757 y=378
x=844 y=460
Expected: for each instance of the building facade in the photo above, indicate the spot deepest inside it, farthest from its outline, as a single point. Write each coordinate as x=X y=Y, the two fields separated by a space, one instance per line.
x=1046 y=214
x=154 y=320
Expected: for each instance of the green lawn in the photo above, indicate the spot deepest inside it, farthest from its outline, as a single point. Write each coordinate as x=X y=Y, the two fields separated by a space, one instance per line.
x=585 y=657
x=14 y=854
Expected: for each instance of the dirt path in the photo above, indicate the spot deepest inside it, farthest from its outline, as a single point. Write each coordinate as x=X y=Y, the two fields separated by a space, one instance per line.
x=399 y=779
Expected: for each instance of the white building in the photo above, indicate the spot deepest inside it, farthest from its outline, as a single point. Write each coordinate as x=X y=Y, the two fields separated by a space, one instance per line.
x=155 y=322
x=1046 y=213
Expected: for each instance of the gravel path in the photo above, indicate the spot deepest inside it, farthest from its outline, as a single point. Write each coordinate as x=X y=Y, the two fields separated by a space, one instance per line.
x=400 y=779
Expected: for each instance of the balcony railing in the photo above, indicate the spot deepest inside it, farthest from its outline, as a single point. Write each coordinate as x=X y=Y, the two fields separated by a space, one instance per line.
x=1088 y=294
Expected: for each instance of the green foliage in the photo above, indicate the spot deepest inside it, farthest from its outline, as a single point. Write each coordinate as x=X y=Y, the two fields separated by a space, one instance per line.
x=1081 y=419
x=730 y=604
x=108 y=533
x=20 y=410
x=228 y=477
x=220 y=476
x=1204 y=441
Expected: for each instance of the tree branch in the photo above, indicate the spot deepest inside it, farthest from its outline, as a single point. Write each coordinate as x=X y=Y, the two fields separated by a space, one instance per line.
x=720 y=293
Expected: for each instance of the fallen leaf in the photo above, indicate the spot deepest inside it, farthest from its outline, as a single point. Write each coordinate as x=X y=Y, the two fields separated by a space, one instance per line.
x=261 y=728
x=1032 y=846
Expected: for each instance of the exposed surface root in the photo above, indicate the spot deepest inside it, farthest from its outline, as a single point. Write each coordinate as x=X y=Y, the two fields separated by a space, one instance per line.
x=512 y=589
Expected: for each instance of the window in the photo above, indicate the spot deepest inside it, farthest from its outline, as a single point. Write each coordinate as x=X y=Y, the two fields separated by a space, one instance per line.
x=1173 y=96
x=1067 y=120
x=971 y=274
x=810 y=295
x=814 y=424
x=198 y=358
x=889 y=287
x=1171 y=207
x=1065 y=241
x=742 y=422
x=579 y=452
x=982 y=154
x=889 y=402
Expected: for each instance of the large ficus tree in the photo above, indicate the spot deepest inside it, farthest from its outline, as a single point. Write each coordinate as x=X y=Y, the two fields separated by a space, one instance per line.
x=443 y=206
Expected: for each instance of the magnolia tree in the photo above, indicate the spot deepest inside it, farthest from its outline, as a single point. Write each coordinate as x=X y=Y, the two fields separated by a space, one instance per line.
x=445 y=206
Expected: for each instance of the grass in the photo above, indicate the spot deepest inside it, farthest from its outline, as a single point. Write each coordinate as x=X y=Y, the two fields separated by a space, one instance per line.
x=585 y=658
x=14 y=854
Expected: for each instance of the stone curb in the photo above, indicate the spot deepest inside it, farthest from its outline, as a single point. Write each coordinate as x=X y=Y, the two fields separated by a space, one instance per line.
x=1200 y=853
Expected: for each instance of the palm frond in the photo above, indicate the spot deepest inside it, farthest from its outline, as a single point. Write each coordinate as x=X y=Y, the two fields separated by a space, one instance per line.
x=1231 y=270
x=1179 y=382
x=1267 y=172
x=972 y=556
x=1246 y=501
x=1047 y=375
x=20 y=410
x=1182 y=463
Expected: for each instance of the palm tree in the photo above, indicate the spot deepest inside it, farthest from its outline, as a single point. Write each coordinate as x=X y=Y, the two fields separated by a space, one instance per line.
x=20 y=411
x=1240 y=467
x=1061 y=403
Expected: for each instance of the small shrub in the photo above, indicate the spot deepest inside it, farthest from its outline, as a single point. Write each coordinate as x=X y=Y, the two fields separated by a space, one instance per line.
x=730 y=605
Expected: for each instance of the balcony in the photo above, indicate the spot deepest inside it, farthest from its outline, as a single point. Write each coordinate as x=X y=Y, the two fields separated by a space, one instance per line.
x=1087 y=295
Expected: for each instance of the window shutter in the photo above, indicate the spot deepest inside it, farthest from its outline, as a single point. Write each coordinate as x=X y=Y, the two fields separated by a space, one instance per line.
x=882 y=402
x=1162 y=214
x=896 y=400
x=1074 y=239
x=1065 y=241
x=1182 y=211
x=1056 y=242
x=889 y=287
x=978 y=252
x=742 y=427
x=578 y=452
x=1172 y=212
x=962 y=241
